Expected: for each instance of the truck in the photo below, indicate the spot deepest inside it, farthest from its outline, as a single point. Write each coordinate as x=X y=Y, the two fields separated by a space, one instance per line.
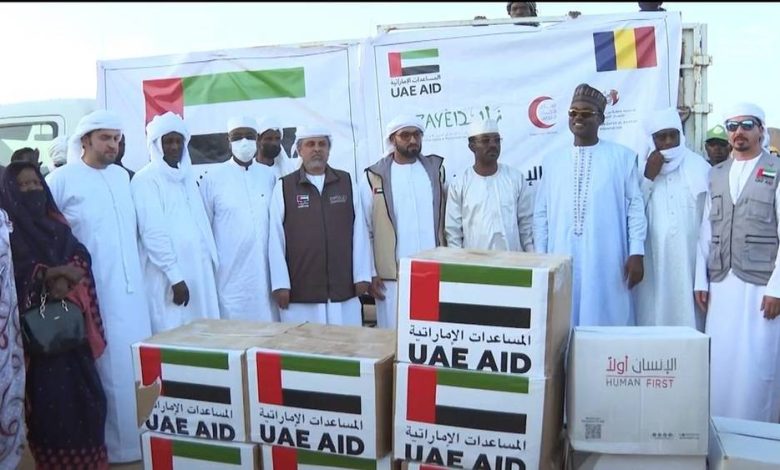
x=465 y=70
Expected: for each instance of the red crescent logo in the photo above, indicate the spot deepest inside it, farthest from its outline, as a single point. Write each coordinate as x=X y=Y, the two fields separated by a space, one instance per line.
x=533 y=113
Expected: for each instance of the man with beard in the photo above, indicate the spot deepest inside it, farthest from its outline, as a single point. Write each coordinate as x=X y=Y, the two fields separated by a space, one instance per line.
x=318 y=247
x=737 y=279
x=489 y=207
x=589 y=206
x=270 y=151
x=403 y=197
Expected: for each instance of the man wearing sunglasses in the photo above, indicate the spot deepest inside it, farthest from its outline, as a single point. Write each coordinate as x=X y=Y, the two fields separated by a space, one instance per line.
x=717 y=145
x=737 y=279
x=674 y=188
x=589 y=206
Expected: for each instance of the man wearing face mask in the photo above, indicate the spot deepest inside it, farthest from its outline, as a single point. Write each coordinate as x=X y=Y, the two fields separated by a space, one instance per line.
x=318 y=244
x=270 y=151
x=673 y=187
x=236 y=195
x=180 y=254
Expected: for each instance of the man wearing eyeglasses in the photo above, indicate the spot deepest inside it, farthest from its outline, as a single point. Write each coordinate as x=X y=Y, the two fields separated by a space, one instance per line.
x=489 y=207
x=674 y=188
x=717 y=145
x=403 y=197
x=589 y=206
x=737 y=279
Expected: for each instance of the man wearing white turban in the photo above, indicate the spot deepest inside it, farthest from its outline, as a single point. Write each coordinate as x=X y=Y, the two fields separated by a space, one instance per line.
x=180 y=254
x=270 y=151
x=318 y=247
x=58 y=151
x=737 y=275
x=94 y=196
x=403 y=197
x=237 y=196
x=674 y=187
x=489 y=207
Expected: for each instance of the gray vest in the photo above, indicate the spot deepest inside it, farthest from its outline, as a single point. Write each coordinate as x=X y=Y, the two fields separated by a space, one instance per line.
x=749 y=246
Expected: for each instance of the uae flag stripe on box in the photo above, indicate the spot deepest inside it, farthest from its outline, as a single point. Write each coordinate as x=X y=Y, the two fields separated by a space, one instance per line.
x=466 y=399
x=170 y=454
x=301 y=381
x=187 y=374
x=290 y=458
x=454 y=293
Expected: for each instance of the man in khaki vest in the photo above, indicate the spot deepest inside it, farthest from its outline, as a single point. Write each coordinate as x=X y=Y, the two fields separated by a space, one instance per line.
x=403 y=198
x=737 y=279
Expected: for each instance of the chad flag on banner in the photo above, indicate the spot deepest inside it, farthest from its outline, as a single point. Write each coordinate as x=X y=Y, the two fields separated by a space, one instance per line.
x=174 y=94
x=315 y=383
x=189 y=374
x=625 y=49
x=178 y=454
x=466 y=399
x=289 y=458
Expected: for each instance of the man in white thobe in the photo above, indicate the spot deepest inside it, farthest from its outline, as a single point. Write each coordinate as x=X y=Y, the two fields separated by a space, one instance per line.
x=270 y=151
x=673 y=187
x=180 y=254
x=237 y=195
x=403 y=197
x=318 y=246
x=94 y=196
x=489 y=207
x=737 y=275
x=589 y=206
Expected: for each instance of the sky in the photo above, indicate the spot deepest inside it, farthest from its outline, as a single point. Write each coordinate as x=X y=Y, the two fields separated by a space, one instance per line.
x=50 y=50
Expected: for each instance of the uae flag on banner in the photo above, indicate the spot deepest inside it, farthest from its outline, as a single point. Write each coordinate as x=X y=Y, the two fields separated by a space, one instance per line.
x=467 y=294
x=290 y=458
x=466 y=399
x=416 y=62
x=175 y=94
x=191 y=454
x=188 y=374
x=310 y=382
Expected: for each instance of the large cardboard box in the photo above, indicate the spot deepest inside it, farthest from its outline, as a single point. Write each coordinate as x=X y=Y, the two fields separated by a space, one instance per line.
x=493 y=311
x=167 y=452
x=738 y=444
x=469 y=419
x=638 y=390
x=290 y=458
x=592 y=461
x=190 y=380
x=324 y=388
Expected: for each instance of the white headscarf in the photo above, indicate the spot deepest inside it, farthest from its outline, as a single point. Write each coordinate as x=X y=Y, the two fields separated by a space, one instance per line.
x=309 y=132
x=238 y=122
x=404 y=120
x=676 y=157
x=58 y=150
x=100 y=119
x=749 y=109
x=488 y=126
x=264 y=125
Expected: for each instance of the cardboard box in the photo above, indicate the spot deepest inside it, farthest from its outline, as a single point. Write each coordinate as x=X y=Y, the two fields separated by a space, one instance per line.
x=738 y=444
x=285 y=458
x=591 y=461
x=496 y=311
x=324 y=388
x=468 y=419
x=190 y=380
x=638 y=390
x=167 y=452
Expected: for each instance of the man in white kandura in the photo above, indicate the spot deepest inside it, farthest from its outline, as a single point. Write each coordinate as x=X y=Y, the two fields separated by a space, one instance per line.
x=270 y=152
x=94 y=196
x=237 y=196
x=489 y=207
x=180 y=254
x=674 y=188
x=318 y=247
x=737 y=275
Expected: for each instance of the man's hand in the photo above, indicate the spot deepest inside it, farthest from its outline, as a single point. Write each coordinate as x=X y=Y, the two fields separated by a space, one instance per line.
x=634 y=270
x=654 y=163
x=181 y=293
x=770 y=306
x=702 y=298
x=282 y=298
x=574 y=14
x=377 y=288
x=361 y=288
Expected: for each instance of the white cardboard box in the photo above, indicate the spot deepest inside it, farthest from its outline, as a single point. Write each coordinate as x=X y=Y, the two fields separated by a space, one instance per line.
x=468 y=419
x=738 y=444
x=638 y=390
x=502 y=312
x=167 y=452
x=286 y=458
x=592 y=461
